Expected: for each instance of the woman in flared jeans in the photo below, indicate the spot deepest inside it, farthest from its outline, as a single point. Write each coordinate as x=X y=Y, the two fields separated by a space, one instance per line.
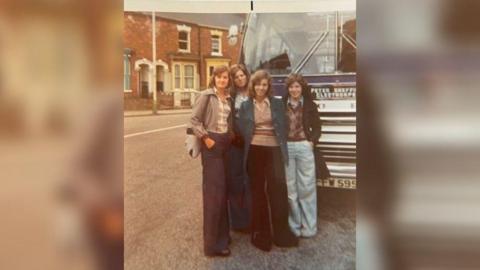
x=304 y=129
x=211 y=122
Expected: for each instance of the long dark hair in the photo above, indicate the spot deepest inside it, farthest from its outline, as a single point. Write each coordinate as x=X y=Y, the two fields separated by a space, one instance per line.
x=233 y=71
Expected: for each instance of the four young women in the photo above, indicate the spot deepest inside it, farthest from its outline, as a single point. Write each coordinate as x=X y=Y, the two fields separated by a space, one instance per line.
x=257 y=159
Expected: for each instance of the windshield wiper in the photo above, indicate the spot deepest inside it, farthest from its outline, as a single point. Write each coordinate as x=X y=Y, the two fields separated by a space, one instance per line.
x=310 y=51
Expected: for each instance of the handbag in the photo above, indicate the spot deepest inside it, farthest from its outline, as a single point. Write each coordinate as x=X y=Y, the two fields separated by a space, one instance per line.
x=193 y=144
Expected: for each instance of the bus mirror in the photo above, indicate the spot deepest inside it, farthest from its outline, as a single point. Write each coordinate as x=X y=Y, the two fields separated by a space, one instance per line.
x=233 y=30
x=232 y=35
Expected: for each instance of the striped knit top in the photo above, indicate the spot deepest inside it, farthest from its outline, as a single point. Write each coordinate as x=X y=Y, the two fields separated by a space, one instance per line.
x=264 y=133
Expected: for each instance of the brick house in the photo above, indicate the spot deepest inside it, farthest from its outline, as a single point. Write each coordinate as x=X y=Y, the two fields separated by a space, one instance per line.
x=188 y=47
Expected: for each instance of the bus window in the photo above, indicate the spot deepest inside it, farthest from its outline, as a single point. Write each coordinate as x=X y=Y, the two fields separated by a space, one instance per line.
x=321 y=47
x=310 y=43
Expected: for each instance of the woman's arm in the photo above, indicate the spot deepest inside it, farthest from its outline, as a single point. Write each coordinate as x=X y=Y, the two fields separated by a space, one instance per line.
x=279 y=109
x=316 y=123
x=198 y=116
x=240 y=122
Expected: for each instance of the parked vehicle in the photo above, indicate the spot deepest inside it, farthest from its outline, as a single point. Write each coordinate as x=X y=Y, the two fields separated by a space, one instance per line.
x=321 y=47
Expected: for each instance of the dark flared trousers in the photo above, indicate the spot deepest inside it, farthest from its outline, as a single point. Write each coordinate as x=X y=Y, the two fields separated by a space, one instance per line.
x=269 y=188
x=215 y=216
x=239 y=198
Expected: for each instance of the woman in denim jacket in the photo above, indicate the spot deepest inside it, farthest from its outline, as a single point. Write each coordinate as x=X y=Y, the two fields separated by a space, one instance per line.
x=262 y=123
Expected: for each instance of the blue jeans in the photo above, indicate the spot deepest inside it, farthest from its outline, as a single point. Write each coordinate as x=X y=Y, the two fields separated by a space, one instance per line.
x=302 y=189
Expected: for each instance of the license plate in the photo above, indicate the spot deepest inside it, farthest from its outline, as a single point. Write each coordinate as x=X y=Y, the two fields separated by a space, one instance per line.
x=338 y=183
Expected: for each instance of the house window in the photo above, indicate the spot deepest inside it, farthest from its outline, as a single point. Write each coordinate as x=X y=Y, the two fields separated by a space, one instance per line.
x=215 y=45
x=185 y=75
x=216 y=42
x=188 y=76
x=177 y=76
x=183 y=41
x=183 y=38
x=127 y=72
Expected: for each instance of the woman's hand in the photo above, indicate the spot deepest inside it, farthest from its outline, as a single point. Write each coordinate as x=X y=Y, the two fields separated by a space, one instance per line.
x=209 y=142
x=238 y=141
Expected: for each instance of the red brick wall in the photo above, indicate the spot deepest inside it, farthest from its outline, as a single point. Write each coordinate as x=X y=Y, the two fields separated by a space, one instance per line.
x=232 y=51
x=228 y=52
x=137 y=35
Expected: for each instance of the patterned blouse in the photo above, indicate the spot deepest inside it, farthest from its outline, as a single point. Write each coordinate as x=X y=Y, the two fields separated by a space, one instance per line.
x=224 y=111
x=295 y=117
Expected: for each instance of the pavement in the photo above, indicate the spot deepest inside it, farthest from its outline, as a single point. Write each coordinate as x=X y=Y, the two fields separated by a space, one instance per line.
x=163 y=211
x=159 y=112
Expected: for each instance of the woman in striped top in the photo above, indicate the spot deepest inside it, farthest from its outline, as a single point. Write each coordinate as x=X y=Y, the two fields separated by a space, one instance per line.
x=262 y=123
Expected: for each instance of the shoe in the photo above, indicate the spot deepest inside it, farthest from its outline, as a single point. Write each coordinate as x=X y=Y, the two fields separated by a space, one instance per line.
x=223 y=253
x=262 y=245
x=261 y=242
x=242 y=230
x=308 y=235
x=287 y=242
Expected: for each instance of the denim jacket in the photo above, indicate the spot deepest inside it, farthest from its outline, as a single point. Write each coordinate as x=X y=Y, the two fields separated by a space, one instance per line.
x=247 y=125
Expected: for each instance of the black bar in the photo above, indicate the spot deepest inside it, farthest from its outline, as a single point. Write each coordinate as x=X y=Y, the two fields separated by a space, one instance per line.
x=251 y=5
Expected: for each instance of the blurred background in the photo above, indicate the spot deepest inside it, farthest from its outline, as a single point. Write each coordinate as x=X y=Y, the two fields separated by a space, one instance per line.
x=418 y=136
x=61 y=126
x=61 y=135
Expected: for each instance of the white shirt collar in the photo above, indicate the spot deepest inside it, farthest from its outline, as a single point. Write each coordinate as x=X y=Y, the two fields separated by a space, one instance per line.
x=227 y=93
x=300 y=102
x=265 y=100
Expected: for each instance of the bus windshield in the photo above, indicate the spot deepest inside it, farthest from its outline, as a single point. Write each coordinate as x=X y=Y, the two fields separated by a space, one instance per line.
x=310 y=43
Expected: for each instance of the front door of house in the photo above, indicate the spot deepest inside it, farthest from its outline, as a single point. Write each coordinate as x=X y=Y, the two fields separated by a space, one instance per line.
x=160 y=79
x=144 y=81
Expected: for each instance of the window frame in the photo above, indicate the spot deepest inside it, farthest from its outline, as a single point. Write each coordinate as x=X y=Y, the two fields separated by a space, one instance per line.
x=182 y=66
x=184 y=29
x=175 y=86
x=185 y=77
x=127 y=73
x=216 y=35
x=216 y=39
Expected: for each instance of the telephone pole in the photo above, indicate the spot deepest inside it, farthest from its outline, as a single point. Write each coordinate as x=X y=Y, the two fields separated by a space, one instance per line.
x=154 y=64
